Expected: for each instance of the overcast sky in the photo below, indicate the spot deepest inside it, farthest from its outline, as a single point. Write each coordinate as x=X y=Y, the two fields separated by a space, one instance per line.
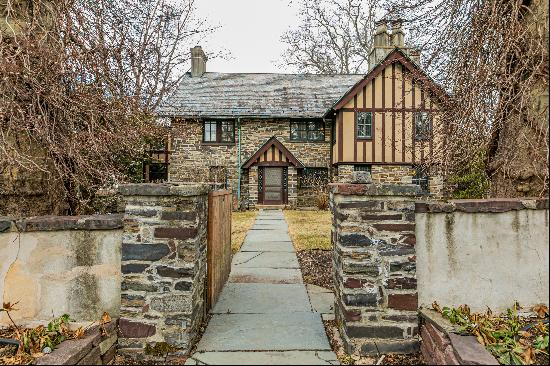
x=250 y=30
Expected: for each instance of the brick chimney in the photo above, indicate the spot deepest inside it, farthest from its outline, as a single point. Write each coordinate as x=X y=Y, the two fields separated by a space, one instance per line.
x=198 y=62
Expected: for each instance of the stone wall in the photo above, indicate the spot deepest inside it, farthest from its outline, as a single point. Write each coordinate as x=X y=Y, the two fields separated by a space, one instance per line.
x=483 y=252
x=375 y=267
x=55 y=265
x=442 y=346
x=191 y=159
x=163 y=266
x=97 y=347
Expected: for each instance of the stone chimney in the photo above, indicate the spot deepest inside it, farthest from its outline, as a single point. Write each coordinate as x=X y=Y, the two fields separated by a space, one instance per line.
x=397 y=34
x=198 y=61
x=384 y=42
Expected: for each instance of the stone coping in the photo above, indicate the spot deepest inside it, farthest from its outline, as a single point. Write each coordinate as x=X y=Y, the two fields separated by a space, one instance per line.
x=491 y=205
x=164 y=189
x=464 y=349
x=97 y=347
x=60 y=223
x=350 y=189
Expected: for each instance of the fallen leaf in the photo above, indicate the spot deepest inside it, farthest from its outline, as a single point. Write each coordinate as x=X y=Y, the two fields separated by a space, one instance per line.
x=528 y=356
x=8 y=306
x=105 y=318
x=541 y=310
x=79 y=333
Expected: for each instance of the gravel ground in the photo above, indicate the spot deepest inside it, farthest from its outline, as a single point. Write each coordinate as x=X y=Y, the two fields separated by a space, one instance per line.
x=316 y=267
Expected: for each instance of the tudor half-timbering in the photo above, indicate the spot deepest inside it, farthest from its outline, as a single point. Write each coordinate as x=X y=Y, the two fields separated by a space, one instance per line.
x=265 y=135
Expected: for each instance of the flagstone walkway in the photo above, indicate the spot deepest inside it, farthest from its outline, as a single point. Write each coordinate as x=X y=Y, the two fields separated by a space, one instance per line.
x=264 y=315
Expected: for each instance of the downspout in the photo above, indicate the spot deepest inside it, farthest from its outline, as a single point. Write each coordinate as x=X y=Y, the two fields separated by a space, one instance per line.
x=239 y=161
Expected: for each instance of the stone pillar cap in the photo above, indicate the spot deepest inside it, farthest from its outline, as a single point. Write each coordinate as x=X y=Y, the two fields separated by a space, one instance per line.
x=164 y=189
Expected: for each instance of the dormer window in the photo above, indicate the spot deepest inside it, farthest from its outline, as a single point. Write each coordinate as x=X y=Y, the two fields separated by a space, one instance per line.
x=219 y=132
x=422 y=126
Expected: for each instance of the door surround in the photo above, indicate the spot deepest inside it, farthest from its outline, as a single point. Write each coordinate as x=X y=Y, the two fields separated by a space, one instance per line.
x=270 y=184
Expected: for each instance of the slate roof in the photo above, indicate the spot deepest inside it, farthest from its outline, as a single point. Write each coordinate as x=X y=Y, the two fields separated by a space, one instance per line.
x=257 y=95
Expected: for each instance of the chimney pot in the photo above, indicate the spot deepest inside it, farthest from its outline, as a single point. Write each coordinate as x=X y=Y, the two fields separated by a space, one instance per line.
x=198 y=61
x=397 y=34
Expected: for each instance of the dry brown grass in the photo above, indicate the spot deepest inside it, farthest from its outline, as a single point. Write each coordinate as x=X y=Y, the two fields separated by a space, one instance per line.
x=241 y=222
x=309 y=229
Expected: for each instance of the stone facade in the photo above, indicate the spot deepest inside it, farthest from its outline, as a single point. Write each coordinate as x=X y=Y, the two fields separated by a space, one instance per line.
x=163 y=265
x=194 y=161
x=191 y=160
x=393 y=174
x=375 y=267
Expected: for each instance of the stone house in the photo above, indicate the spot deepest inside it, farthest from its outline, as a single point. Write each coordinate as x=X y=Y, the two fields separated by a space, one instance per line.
x=268 y=136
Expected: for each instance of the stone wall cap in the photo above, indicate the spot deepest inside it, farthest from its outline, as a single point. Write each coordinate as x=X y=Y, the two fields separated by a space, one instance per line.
x=59 y=223
x=490 y=205
x=350 y=189
x=466 y=347
x=164 y=189
x=437 y=320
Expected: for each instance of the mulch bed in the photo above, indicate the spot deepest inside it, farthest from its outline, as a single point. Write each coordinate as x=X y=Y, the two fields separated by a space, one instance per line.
x=316 y=267
x=8 y=352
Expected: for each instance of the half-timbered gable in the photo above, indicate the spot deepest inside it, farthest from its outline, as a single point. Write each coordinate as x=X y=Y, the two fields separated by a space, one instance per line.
x=389 y=117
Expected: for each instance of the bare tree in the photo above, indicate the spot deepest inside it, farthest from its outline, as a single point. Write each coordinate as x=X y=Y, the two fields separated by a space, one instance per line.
x=334 y=36
x=492 y=56
x=80 y=81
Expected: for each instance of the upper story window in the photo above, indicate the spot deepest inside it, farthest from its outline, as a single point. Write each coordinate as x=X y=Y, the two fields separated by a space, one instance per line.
x=422 y=125
x=364 y=125
x=219 y=132
x=307 y=131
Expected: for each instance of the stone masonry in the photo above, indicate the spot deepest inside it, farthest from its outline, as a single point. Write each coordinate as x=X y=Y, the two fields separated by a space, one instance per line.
x=375 y=267
x=191 y=159
x=163 y=266
x=442 y=345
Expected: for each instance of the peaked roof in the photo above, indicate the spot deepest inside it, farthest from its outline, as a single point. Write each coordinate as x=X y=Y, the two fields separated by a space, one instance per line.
x=397 y=55
x=273 y=141
x=257 y=95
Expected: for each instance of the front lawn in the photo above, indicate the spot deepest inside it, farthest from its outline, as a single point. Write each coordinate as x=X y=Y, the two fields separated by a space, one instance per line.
x=241 y=222
x=309 y=230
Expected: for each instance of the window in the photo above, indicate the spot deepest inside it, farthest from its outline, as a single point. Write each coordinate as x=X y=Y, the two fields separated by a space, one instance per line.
x=422 y=126
x=421 y=178
x=364 y=125
x=362 y=168
x=313 y=177
x=307 y=131
x=219 y=132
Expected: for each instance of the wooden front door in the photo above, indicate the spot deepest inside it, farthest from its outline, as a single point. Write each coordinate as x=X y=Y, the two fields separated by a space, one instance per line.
x=273 y=186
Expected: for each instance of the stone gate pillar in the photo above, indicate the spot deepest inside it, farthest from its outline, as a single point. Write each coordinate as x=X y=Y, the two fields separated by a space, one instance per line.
x=374 y=240
x=163 y=267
